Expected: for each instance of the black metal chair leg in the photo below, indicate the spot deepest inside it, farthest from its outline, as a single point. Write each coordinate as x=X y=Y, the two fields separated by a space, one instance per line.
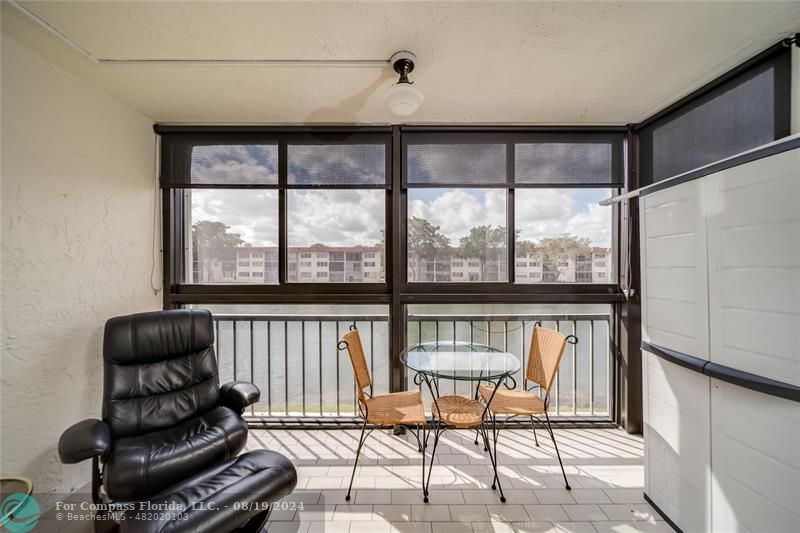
x=426 y=484
x=361 y=440
x=476 y=436
x=495 y=433
x=552 y=436
x=533 y=427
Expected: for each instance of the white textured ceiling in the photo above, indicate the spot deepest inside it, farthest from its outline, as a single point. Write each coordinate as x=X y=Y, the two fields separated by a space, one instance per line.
x=479 y=62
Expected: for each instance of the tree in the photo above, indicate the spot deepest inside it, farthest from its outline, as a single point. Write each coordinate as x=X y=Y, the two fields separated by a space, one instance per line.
x=556 y=248
x=482 y=242
x=211 y=241
x=425 y=242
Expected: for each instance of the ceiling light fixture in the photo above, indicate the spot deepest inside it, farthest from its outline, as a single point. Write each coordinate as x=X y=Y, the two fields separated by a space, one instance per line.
x=403 y=98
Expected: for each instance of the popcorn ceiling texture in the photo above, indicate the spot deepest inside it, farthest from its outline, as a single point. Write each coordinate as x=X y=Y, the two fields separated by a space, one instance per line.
x=77 y=215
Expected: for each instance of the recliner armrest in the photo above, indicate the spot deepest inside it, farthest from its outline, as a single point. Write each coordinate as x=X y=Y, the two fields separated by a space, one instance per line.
x=84 y=440
x=239 y=394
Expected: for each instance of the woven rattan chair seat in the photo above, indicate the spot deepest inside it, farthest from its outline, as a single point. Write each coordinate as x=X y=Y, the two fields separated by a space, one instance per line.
x=458 y=411
x=511 y=401
x=396 y=408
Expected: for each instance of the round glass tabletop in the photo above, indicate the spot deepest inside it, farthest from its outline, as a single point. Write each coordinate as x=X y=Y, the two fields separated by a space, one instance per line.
x=458 y=360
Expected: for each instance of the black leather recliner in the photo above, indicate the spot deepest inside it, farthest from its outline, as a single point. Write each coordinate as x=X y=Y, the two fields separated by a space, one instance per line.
x=170 y=433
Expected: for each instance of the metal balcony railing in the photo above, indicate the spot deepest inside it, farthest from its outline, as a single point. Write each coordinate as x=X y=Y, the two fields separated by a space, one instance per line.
x=295 y=362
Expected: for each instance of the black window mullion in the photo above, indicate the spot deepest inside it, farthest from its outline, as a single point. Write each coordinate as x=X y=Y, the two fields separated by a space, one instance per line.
x=283 y=252
x=510 y=222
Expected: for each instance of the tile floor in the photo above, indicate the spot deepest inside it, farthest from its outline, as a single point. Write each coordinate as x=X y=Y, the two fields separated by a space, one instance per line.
x=604 y=467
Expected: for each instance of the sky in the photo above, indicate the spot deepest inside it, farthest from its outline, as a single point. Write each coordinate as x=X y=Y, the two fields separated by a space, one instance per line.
x=338 y=217
x=353 y=217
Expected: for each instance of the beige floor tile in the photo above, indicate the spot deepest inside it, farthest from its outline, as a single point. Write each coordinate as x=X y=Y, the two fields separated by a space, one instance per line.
x=507 y=512
x=393 y=513
x=584 y=513
x=546 y=513
x=383 y=496
x=411 y=527
x=451 y=527
x=427 y=512
x=631 y=511
x=370 y=527
x=492 y=527
x=590 y=496
x=316 y=513
x=632 y=527
x=327 y=527
x=352 y=513
x=469 y=513
x=553 y=496
x=625 y=495
x=288 y=527
x=574 y=527
x=534 y=527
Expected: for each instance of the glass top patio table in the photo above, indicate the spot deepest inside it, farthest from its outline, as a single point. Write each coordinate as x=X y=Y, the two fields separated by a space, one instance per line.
x=458 y=360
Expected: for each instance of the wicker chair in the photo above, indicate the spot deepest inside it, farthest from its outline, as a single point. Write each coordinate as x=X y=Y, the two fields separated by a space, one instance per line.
x=380 y=411
x=544 y=358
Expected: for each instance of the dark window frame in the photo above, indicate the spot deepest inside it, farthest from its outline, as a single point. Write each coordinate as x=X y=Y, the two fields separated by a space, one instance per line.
x=395 y=292
x=510 y=136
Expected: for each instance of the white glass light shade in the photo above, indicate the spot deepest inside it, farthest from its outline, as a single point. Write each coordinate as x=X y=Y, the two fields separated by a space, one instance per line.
x=404 y=99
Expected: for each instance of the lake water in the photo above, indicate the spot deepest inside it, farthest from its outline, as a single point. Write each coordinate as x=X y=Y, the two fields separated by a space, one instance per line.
x=297 y=352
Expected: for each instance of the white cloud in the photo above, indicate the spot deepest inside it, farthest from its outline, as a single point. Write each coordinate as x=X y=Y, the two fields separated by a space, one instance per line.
x=455 y=211
x=253 y=214
x=235 y=164
x=331 y=217
x=547 y=212
x=336 y=217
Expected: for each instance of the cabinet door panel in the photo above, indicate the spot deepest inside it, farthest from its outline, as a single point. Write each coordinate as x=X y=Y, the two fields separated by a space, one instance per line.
x=753 y=231
x=674 y=273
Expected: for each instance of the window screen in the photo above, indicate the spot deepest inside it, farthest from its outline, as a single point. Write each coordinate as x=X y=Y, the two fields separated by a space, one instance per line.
x=748 y=110
x=269 y=159
x=234 y=164
x=558 y=163
x=526 y=159
x=337 y=164
x=456 y=164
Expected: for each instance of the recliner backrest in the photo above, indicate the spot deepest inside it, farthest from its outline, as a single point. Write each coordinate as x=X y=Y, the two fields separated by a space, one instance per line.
x=159 y=370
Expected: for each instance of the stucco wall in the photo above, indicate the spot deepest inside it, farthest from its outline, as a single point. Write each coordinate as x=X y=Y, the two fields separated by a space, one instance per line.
x=77 y=217
x=795 y=89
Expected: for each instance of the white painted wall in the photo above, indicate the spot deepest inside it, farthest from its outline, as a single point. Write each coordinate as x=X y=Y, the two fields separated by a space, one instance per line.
x=77 y=217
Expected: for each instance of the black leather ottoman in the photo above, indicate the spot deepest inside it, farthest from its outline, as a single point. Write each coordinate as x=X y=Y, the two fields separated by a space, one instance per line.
x=234 y=496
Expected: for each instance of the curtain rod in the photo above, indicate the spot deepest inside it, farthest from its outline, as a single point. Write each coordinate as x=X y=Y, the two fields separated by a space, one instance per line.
x=186 y=61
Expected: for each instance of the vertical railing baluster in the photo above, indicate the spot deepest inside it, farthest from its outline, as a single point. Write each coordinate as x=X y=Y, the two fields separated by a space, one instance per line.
x=286 y=367
x=269 y=367
x=252 y=372
x=303 y=363
x=319 y=339
x=372 y=349
x=574 y=370
x=609 y=365
x=591 y=367
x=471 y=336
x=558 y=378
x=455 y=392
x=524 y=368
x=338 y=391
x=234 y=350
x=355 y=388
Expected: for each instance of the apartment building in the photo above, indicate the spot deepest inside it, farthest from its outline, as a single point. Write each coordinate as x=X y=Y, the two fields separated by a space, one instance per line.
x=537 y=267
x=331 y=264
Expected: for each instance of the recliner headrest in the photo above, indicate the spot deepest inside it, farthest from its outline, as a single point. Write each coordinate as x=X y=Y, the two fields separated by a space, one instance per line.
x=156 y=336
